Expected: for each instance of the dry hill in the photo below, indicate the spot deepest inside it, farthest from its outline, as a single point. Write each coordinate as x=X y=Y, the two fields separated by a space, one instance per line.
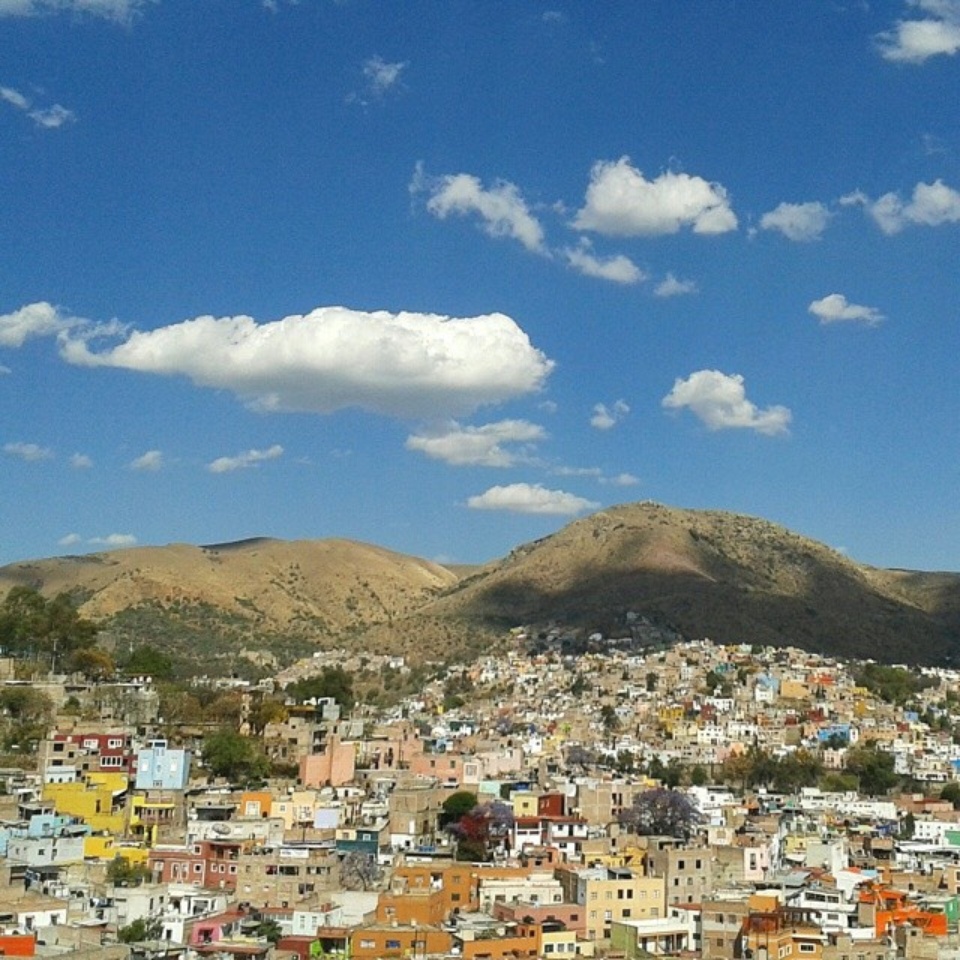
x=689 y=573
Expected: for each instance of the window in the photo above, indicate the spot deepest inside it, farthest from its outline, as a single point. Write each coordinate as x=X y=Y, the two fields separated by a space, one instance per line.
x=198 y=868
x=807 y=948
x=368 y=944
x=392 y=944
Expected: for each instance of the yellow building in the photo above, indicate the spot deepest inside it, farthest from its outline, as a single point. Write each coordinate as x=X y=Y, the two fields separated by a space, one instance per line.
x=100 y=801
x=613 y=893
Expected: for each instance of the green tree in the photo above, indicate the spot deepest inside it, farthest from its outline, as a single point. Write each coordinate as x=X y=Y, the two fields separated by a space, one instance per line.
x=232 y=756
x=455 y=806
x=332 y=682
x=33 y=626
x=147 y=661
x=94 y=664
x=698 y=776
x=122 y=873
x=873 y=769
x=951 y=793
x=140 y=930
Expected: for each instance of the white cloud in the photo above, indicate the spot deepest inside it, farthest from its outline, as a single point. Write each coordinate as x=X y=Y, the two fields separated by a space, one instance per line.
x=483 y=446
x=114 y=540
x=530 y=498
x=119 y=10
x=381 y=75
x=595 y=472
x=915 y=41
x=149 y=462
x=31 y=452
x=617 y=269
x=835 y=307
x=69 y=540
x=670 y=286
x=501 y=208
x=406 y=364
x=802 y=222
x=605 y=418
x=34 y=320
x=50 y=118
x=80 y=461
x=932 y=205
x=719 y=400
x=620 y=201
x=241 y=461
x=14 y=97
x=621 y=480
x=4 y=370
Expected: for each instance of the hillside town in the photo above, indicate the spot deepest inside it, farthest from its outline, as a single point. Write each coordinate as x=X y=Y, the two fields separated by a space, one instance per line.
x=567 y=797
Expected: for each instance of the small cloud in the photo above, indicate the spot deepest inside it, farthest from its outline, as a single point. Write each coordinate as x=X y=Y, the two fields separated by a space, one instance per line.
x=932 y=205
x=14 y=97
x=274 y=5
x=149 y=462
x=554 y=16
x=47 y=117
x=621 y=480
x=670 y=286
x=80 y=461
x=937 y=33
x=50 y=118
x=530 y=498
x=34 y=320
x=114 y=540
x=835 y=308
x=719 y=400
x=29 y=452
x=244 y=460
x=501 y=208
x=595 y=472
x=485 y=446
x=382 y=75
x=69 y=540
x=4 y=370
x=617 y=269
x=801 y=222
x=548 y=406
x=605 y=418
x=620 y=201
x=120 y=11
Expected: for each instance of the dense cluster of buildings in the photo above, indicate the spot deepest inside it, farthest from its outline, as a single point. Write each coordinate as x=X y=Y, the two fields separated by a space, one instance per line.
x=120 y=833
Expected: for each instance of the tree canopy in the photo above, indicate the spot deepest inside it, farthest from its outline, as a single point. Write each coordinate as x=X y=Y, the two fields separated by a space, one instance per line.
x=661 y=812
x=31 y=625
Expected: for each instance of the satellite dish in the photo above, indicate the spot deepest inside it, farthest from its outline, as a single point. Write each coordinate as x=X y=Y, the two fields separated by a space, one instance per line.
x=222 y=828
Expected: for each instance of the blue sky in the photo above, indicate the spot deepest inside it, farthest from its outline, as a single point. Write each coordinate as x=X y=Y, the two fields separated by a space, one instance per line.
x=445 y=276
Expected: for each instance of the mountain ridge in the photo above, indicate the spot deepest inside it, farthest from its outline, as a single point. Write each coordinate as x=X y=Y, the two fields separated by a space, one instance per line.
x=690 y=573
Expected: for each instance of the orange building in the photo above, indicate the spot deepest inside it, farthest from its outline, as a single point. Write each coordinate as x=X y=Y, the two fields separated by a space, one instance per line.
x=457 y=883
x=384 y=940
x=414 y=907
x=18 y=945
x=888 y=909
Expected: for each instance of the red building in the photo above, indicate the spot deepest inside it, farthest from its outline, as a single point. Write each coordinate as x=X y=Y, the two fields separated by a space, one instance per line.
x=212 y=864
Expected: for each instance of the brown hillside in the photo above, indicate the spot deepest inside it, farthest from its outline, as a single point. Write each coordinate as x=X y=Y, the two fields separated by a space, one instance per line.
x=707 y=574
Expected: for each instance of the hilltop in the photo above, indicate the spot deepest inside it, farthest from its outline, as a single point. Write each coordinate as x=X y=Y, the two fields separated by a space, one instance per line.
x=681 y=573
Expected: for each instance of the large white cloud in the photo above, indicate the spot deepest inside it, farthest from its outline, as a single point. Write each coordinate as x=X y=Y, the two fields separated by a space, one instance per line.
x=932 y=205
x=530 y=498
x=937 y=33
x=720 y=401
x=33 y=320
x=490 y=445
x=620 y=201
x=120 y=10
x=617 y=268
x=835 y=308
x=405 y=364
x=501 y=208
x=797 y=221
x=242 y=461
